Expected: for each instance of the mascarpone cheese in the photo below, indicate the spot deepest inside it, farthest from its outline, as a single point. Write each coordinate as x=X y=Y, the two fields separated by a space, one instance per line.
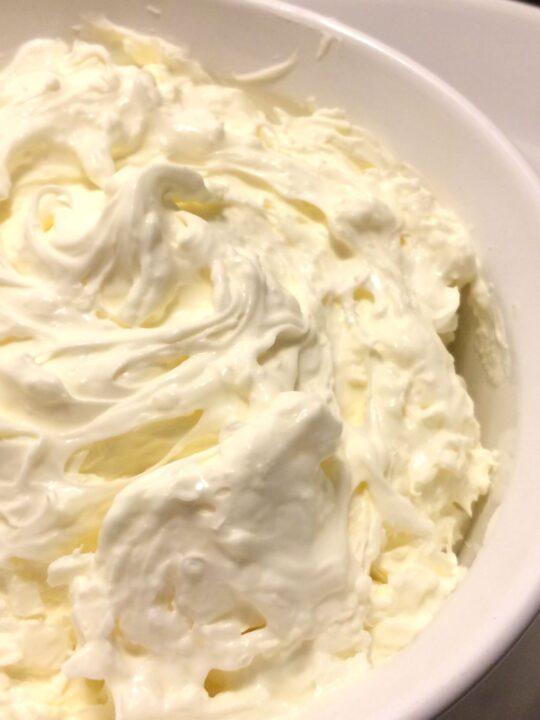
x=235 y=457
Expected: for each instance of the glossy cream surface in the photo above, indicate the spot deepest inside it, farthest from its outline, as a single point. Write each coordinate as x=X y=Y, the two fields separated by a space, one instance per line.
x=235 y=455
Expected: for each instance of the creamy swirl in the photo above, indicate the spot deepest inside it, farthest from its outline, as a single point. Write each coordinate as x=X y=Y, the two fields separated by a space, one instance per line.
x=235 y=457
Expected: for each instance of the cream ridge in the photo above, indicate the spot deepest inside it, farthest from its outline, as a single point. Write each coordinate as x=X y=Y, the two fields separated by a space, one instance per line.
x=236 y=459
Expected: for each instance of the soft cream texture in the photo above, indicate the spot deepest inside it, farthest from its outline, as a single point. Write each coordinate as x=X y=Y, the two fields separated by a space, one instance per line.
x=235 y=455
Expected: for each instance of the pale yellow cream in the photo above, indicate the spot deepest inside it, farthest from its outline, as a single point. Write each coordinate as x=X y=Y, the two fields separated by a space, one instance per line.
x=235 y=455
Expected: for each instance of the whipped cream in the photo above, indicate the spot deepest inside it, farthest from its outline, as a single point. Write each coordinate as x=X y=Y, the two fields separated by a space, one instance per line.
x=235 y=459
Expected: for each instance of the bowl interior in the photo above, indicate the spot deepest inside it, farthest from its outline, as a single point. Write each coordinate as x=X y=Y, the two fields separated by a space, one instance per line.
x=473 y=169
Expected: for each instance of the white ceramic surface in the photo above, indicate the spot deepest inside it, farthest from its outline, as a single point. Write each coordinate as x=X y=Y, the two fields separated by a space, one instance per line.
x=476 y=170
x=487 y=49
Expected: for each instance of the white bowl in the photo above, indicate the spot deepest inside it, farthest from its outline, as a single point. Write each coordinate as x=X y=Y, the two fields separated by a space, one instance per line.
x=473 y=168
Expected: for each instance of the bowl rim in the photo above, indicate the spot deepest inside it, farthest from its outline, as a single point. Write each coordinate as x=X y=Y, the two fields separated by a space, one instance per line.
x=511 y=626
